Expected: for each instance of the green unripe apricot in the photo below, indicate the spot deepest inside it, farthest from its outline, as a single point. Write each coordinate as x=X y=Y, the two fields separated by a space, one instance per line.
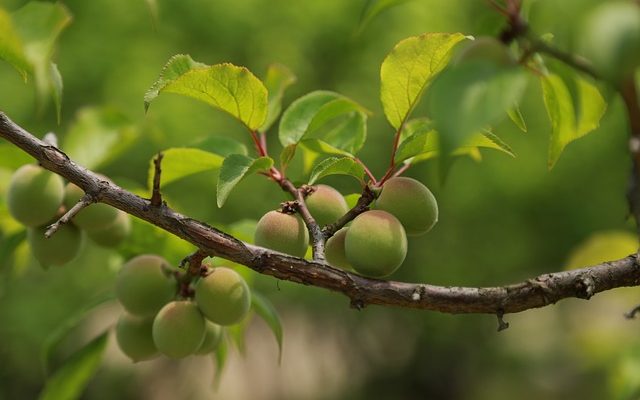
x=93 y=217
x=134 y=337
x=62 y=247
x=223 y=296
x=610 y=39
x=142 y=286
x=282 y=232
x=411 y=202
x=486 y=49
x=112 y=235
x=34 y=195
x=334 y=250
x=375 y=244
x=178 y=329
x=326 y=205
x=212 y=338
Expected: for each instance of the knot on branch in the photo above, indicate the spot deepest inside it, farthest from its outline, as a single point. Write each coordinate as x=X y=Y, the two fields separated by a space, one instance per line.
x=585 y=287
x=418 y=293
x=541 y=285
x=289 y=207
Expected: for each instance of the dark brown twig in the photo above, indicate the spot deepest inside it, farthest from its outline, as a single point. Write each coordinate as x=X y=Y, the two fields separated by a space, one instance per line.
x=156 y=196
x=315 y=232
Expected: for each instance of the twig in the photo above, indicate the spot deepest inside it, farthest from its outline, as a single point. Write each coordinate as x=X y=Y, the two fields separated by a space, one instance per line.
x=156 y=196
x=315 y=233
x=366 y=198
x=84 y=202
x=502 y=325
x=363 y=291
x=632 y=314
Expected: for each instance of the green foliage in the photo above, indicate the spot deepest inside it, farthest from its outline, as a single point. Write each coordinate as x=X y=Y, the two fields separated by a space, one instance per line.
x=234 y=168
x=234 y=90
x=326 y=205
x=282 y=232
x=409 y=69
x=179 y=163
x=278 y=79
x=179 y=329
x=223 y=296
x=142 y=285
x=59 y=249
x=11 y=47
x=34 y=195
x=263 y=307
x=70 y=380
x=337 y=166
x=376 y=244
x=565 y=125
x=411 y=202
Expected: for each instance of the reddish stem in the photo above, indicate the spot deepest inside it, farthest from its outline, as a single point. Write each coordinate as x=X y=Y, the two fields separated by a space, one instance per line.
x=366 y=170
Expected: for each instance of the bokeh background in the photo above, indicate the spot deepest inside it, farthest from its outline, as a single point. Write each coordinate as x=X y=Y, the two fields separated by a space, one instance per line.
x=502 y=220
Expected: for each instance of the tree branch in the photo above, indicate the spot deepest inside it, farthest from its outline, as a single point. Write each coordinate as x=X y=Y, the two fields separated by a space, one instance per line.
x=538 y=292
x=315 y=232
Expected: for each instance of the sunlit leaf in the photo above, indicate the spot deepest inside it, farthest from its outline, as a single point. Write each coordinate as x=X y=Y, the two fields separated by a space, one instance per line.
x=39 y=25
x=69 y=381
x=516 y=116
x=471 y=147
x=565 y=128
x=180 y=162
x=11 y=47
x=222 y=146
x=409 y=69
x=234 y=90
x=287 y=155
x=234 y=168
x=337 y=166
x=322 y=147
x=471 y=96
x=352 y=199
x=263 y=307
x=97 y=136
x=278 y=79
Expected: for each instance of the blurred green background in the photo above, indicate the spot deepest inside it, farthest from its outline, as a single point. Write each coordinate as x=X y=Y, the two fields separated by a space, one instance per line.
x=502 y=220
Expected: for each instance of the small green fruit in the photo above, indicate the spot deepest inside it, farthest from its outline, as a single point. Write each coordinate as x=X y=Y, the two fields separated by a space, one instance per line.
x=114 y=234
x=411 y=202
x=134 y=337
x=212 y=338
x=178 y=329
x=376 y=244
x=610 y=39
x=142 y=286
x=326 y=205
x=62 y=247
x=223 y=296
x=93 y=217
x=486 y=49
x=334 y=250
x=34 y=195
x=282 y=232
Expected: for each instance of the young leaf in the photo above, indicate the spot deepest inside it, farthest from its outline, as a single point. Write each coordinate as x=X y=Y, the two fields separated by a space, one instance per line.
x=409 y=69
x=263 y=307
x=471 y=96
x=70 y=380
x=561 y=110
x=222 y=146
x=516 y=116
x=234 y=168
x=471 y=147
x=97 y=136
x=322 y=147
x=234 y=90
x=419 y=142
x=312 y=111
x=56 y=89
x=287 y=155
x=180 y=162
x=337 y=166
x=375 y=7
x=39 y=24
x=278 y=79
x=11 y=48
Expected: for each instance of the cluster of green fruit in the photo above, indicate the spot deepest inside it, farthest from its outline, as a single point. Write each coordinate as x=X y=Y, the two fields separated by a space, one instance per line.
x=155 y=322
x=36 y=198
x=374 y=243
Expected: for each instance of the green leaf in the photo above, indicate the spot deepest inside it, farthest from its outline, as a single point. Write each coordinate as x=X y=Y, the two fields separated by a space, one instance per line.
x=516 y=116
x=222 y=146
x=419 y=142
x=375 y=7
x=180 y=162
x=315 y=110
x=39 y=24
x=409 y=69
x=337 y=166
x=56 y=89
x=62 y=331
x=70 y=380
x=263 y=307
x=9 y=244
x=430 y=145
x=220 y=359
x=287 y=155
x=234 y=90
x=97 y=136
x=278 y=79
x=322 y=147
x=234 y=168
x=565 y=126
x=472 y=96
x=11 y=47
x=352 y=199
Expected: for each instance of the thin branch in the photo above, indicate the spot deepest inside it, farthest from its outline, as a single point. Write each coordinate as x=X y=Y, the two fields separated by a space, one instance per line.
x=538 y=292
x=156 y=196
x=367 y=171
x=632 y=314
x=315 y=232
x=572 y=60
x=366 y=198
x=84 y=202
